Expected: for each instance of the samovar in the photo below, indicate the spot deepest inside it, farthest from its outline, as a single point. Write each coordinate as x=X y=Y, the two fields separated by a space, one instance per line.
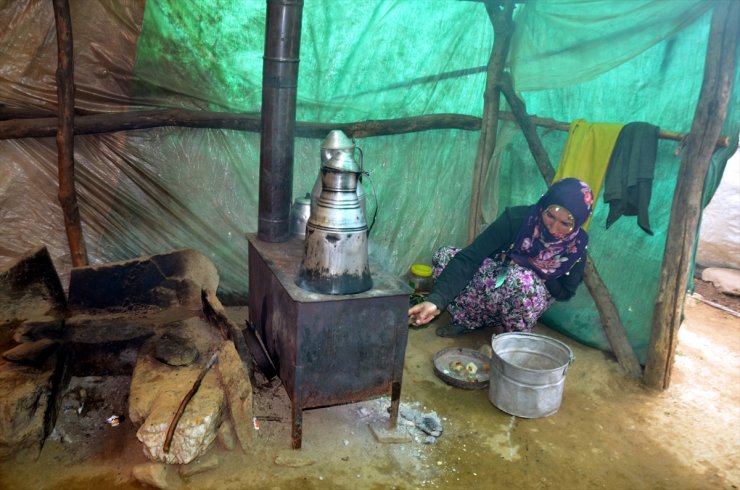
x=335 y=258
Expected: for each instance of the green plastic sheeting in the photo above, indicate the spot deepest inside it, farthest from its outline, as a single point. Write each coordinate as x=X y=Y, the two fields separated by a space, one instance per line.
x=628 y=260
x=149 y=191
x=392 y=59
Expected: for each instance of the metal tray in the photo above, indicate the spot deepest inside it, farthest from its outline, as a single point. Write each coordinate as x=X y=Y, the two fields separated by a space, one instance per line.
x=464 y=368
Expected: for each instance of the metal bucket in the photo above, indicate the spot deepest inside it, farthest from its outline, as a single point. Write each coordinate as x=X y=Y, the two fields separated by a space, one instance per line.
x=528 y=374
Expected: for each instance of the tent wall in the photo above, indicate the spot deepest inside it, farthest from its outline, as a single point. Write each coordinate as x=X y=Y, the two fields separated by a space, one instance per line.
x=146 y=191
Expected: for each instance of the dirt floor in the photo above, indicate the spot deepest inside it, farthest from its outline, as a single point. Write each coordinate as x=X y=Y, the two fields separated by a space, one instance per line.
x=705 y=291
x=610 y=432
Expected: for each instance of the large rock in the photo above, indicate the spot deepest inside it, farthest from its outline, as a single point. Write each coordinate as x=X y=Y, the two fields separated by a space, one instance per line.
x=148 y=371
x=238 y=389
x=30 y=289
x=726 y=281
x=31 y=353
x=33 y=307
x=224 y=397
x=27 y=407
x=162 y=281
x=156 y=393
x=157 y=389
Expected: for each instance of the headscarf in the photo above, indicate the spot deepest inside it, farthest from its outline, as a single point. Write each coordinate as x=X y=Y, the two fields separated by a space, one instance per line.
x=536 y=248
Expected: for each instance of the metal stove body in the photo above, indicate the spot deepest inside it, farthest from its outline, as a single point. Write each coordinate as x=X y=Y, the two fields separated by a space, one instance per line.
x=328 y=349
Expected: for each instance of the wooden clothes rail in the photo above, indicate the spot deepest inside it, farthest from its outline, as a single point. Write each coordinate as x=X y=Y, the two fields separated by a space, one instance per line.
x=15 y=124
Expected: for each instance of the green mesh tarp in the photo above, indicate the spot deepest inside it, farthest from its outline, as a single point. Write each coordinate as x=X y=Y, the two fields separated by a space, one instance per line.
x=148 y=191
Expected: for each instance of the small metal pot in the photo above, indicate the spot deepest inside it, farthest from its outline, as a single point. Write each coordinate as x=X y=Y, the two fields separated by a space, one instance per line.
x=299 y=215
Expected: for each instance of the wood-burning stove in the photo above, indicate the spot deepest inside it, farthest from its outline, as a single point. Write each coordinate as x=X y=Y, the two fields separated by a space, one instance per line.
x=328 y=349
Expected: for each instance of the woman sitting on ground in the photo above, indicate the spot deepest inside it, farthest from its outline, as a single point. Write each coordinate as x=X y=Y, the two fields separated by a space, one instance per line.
x=527 y=259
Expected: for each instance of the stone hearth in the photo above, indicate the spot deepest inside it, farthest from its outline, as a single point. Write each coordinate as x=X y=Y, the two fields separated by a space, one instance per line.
x=131 y=342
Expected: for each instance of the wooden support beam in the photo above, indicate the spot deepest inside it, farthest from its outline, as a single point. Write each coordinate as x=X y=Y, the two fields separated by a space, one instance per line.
x=610 y=320
x=7 y=112
x=128 y=121
x=16 y=125
x=65 y=134
x=503 y=28
x=519 y=109
x=710 y=114
x=608 y=313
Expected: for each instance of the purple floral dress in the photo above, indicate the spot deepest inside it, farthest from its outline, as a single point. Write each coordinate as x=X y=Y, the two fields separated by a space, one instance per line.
x=515 y=305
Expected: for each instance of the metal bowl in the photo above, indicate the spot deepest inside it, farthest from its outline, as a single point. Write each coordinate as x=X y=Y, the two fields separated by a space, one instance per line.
x=463 y=368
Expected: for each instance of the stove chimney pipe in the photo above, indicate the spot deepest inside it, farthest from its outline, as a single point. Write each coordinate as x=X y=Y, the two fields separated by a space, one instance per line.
x=279 y=90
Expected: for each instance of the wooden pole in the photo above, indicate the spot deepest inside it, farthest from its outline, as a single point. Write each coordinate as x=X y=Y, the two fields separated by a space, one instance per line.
x=65 y=133
x=608 y=313
x=610 y=320
x=34 y=125
x=503 y=28
x=684 y=223
x=519 y=109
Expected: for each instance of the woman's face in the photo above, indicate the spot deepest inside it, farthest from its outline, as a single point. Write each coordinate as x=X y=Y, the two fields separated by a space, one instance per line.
x=558 y=221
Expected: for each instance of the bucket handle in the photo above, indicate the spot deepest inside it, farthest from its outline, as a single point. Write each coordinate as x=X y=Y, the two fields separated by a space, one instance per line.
x=571 y=356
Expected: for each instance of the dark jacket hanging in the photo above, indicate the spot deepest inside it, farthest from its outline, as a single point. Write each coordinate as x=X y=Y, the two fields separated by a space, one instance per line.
x=629 y=176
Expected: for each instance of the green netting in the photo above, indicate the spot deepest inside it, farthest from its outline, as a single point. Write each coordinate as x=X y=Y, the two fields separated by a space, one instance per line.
x=628 y=260
x=559 y=43
x=390 y=59
x=144 y=192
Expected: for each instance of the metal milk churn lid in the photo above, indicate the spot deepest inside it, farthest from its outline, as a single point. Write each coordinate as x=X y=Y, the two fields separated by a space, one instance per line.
x=338 y=142
x=335 y=250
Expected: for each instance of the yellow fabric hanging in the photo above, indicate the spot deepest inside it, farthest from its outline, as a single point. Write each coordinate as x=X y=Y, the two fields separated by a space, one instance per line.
x=586 y=154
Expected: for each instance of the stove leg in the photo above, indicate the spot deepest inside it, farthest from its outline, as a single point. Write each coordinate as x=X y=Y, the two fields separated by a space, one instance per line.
x=395 y=401
x=297 y=425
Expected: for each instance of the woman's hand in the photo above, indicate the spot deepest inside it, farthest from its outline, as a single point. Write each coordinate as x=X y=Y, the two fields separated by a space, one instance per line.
x=423 y=313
